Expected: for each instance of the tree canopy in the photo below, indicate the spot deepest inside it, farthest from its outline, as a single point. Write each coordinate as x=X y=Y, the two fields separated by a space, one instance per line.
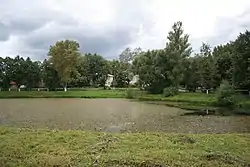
x=64 y=56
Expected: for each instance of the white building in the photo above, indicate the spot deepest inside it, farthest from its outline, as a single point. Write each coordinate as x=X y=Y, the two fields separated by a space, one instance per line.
x=134 y=80
x=109 y=80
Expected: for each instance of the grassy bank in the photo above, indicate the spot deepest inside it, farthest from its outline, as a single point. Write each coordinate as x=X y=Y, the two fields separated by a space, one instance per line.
x=194 y=101
x=189 y=101
x=200 y=98
x=29 y=147
x=89 y=93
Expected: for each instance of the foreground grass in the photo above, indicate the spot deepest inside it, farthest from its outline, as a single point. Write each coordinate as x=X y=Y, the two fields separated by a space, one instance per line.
x=29 y=147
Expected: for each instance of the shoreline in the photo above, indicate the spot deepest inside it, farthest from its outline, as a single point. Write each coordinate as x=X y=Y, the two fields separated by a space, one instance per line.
x=188 y=101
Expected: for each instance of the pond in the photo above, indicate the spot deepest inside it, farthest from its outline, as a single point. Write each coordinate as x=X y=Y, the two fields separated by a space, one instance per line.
x=112 y=115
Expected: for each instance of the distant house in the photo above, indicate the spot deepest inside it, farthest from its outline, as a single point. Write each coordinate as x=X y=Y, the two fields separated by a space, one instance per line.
x=23 y=86
x=12 y=82
x=134 y=80
x=13 y=85
x=109 y=80
x=41 y=84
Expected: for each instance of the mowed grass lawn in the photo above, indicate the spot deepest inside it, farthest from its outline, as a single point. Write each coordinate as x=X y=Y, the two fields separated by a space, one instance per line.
x=101 y=93
x=188 y=101
x=183 y=97
x=88 y=93
x=192 y=101
x=29 y=147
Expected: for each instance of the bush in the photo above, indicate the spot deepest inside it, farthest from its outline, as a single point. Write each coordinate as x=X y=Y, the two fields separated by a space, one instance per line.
x=130 y=94
x=170 y=91
x=225 y=95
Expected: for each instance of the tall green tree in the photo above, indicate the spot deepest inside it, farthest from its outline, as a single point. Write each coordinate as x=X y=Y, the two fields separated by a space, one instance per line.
x=16 y=70
x=2 y=72
x=178 y=50
x=95 y=68
x=49 y=76
x=80 y=78
x=223 y=55
x=32 y=73
x=23 y=72
x=151 y=66
x=206 y=65
x=121 y=72
x=241 y=61
x=158 y=69
x=64 y=56
x=191 y=74
x=128 y=54
x=7 y=67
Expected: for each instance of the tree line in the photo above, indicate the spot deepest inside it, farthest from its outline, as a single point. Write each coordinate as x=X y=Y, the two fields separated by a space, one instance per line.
x=175 y=65
x=88 y=70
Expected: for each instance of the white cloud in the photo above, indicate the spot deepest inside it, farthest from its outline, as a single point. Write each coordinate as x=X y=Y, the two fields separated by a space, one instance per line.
x=201 y=19
x=7 y=47
x=108 y=26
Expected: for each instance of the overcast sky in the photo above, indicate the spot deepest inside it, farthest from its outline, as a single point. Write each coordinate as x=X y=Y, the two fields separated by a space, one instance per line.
x=29 y=27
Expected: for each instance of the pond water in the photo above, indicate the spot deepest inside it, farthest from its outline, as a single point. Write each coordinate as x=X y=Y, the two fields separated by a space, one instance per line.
x=112 y=115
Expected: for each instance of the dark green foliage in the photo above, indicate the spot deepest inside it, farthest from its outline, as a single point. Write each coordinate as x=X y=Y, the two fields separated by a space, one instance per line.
x=128 y=55
x=49 y=76
x=161 y=68
x=225 y=94
x=32 y=73
x=64 y=57
x=23 y=72
x=121 y=72
x=150 y=71
x=241 y=61
x=170 y=91
x=177 y=50
x=206 y=67
x=223 y=55
x=93 y=69
x=191 y=74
